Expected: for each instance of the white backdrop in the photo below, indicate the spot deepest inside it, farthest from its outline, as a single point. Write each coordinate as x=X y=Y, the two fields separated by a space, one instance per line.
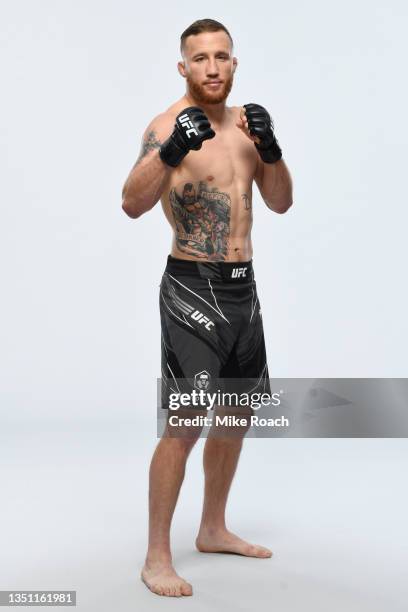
x=79 y=285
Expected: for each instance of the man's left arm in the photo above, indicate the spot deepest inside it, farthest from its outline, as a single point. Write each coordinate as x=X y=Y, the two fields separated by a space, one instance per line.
x=275 y=185
x=272 y=175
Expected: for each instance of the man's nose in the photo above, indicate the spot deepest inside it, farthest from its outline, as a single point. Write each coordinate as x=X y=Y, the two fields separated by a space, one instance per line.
x=212 y=68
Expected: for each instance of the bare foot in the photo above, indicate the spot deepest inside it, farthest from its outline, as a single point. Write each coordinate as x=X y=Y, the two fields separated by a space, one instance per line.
x=227 y=542
x=162 y=579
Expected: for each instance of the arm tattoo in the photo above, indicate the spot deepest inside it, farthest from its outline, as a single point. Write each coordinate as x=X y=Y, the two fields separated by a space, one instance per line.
x=150 y=143
x=202 y=215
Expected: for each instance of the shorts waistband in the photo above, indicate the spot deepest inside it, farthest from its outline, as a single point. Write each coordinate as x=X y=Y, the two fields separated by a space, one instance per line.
x=227 y=271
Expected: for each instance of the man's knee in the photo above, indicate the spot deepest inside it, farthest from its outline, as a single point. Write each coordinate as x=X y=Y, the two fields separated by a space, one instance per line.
x=181 y=444
x=232 y=423
x=184 y=427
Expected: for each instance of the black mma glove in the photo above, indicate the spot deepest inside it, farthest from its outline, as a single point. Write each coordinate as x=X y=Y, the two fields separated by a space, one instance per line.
x=190 y=130
x=260 y=124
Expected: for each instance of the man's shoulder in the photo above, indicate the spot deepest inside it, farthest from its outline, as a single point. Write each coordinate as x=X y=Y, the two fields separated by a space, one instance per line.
x=163 y=123
x=176 y=107
x=235 y=110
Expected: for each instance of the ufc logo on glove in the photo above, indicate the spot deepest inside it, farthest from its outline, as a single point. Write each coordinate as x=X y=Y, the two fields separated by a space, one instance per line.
x=186 y=123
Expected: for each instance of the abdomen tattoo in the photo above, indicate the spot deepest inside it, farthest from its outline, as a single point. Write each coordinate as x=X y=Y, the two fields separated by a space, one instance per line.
x=202 y=216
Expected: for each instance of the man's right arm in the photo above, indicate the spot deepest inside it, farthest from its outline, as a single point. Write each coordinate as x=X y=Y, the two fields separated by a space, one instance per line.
x=147 y=179
x=161 y=153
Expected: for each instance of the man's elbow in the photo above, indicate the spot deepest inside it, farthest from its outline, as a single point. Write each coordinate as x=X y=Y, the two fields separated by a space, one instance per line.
x=129 y=208
x=285 y=207
x=280 y=207
x=134 y=209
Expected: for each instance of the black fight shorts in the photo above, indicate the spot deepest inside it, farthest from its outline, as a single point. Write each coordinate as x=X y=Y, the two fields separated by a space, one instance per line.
x=211 y=329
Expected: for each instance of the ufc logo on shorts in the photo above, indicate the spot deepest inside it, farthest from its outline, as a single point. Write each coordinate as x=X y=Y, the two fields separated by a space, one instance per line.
x=198 y=316
x=238 y=273
x=186 y=123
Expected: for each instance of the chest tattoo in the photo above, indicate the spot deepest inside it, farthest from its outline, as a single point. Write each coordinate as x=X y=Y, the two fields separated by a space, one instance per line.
x=202 y=215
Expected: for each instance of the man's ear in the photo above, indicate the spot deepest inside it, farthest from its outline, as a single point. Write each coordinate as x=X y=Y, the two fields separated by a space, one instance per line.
x=181 y=68
x=234 y=64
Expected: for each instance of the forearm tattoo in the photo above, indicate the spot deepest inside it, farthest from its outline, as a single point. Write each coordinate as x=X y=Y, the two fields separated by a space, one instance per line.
x=202 y=216
x=150 y=143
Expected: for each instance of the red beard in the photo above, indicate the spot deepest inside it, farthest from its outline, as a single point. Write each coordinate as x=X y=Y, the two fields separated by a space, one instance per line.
x=201 y=94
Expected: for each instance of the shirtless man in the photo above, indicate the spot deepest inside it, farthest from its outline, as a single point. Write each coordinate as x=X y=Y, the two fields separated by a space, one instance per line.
x=200 y=159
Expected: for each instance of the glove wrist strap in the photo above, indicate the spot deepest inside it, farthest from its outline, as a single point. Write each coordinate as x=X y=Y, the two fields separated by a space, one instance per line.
x=171 y=153
x=271 y=154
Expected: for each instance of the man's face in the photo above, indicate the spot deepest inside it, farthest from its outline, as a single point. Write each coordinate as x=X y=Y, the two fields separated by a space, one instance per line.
x=208 y=66
x=189 y=195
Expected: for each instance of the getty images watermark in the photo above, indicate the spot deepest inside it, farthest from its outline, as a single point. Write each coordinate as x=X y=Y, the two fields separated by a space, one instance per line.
x=226 y=400
x=285 y=407
x=218 y=403
x=204 y=399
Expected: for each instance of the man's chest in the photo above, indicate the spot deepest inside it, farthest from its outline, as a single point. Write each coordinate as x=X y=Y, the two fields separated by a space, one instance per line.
x=228 y=157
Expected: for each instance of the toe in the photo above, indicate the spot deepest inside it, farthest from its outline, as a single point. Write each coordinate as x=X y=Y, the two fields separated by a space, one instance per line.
x=186 y=589
x=157 y=589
